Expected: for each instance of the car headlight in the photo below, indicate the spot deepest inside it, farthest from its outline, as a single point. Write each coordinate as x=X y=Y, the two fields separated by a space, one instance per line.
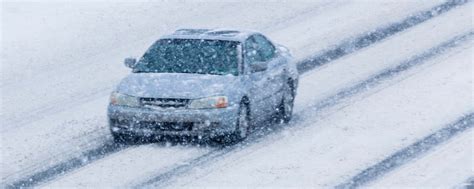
x=210 y=102
x=123 y=100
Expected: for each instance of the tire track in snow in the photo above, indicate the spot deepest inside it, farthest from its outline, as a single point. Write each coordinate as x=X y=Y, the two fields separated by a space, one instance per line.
x=391 y=72
x=410 y=152
x=349 y=46
x=85 y=158
x=164 y=179
x=345 y=48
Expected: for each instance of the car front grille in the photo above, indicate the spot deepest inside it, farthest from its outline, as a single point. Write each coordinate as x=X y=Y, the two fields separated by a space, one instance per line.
x=154 y=125
x=165 y=126
x=164 y=102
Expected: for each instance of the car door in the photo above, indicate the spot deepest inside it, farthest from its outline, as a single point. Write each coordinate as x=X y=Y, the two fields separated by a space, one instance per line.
x=274 y=73
x=263 y=81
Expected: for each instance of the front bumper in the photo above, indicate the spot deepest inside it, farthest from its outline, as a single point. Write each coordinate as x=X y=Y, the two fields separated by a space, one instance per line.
x=181 y=122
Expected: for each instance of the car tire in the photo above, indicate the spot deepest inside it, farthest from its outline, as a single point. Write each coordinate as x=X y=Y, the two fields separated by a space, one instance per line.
x=242 y=129
x=285 y=109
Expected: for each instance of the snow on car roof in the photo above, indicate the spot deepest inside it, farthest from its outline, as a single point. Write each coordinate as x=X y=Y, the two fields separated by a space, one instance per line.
x=215 y=34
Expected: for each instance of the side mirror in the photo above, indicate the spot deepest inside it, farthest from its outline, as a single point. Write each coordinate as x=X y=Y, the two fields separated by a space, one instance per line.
x=130 y=62
x=258 y=66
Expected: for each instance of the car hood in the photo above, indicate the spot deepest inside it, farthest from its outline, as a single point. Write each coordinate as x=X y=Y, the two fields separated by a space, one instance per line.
x=175 y=85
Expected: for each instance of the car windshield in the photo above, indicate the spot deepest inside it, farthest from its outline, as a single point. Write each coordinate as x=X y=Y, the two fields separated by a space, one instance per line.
x=217 y=57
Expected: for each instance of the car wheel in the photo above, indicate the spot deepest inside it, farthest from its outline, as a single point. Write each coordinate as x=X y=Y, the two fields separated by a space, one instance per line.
x=285 y=109
x=243 y=123
x=242 y=128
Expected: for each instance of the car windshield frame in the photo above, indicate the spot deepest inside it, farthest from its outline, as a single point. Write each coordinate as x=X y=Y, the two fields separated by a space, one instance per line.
x=194 y=56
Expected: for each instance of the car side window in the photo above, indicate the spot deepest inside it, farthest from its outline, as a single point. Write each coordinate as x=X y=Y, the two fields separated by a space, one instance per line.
x=251 y=51
x=266 y=48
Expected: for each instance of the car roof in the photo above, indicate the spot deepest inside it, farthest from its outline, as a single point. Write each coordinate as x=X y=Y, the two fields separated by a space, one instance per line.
x=212 y=34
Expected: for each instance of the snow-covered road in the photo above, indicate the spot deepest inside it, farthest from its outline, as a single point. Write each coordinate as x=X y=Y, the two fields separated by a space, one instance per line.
x=447 y=166
x=330 y=140
x=306 y=146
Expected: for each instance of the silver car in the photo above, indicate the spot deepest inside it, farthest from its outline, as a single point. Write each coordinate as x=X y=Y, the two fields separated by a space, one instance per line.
x=205 y=83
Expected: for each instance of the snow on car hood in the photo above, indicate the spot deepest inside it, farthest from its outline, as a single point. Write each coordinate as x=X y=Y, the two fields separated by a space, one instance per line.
x=175 y=85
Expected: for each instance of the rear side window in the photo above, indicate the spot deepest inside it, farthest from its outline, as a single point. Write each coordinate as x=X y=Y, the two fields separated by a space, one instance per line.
x=267 y=50
x=251 y=51
x=258 y=48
